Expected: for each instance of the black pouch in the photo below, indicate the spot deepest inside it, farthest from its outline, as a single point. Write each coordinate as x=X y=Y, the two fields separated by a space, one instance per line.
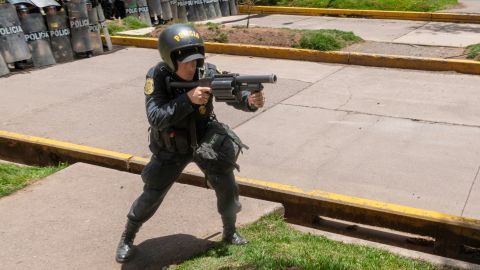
x=219 y=149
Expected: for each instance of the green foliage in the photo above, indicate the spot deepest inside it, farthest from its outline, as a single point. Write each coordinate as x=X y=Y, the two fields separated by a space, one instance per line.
x=221 y=37
x=14 y=177
x=473 y=51
x=275 y=245
x=327 y=40
x=399 y=5
x=128 y=23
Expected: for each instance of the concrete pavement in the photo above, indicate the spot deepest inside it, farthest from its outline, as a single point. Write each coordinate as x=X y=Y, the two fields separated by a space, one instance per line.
x=396 y=31
x=73 y=220
x=399 y=136
x=465 y=6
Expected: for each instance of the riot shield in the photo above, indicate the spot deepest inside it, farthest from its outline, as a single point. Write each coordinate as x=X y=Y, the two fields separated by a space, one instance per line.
x=174 y=8
x=155 y=8
x=224 y=7
x=60 y=36
x=233 y=7
x=182 y=10
x=13 y=46
x=45 y=3
x=79 y=26
x=104 y=28
x=200 y=9
x=3 y=67
x=166 y=10
x=131 y=8
x=218 y=11
x=209 y=9
x=94 y=27
x=38 y=39
x=191 y=13
x=143 y=12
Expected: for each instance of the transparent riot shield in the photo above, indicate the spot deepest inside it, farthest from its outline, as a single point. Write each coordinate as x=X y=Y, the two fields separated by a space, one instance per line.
x=131 y=8
x=233 y=7
x=143 y=12
x=224 y=7
x=218 y=11
x=94 y=27
x=38 y=39
x=182 y=10
x=13 y=46
x=174 y=8
x=166 y=10
x=3 y=67
x=45 y=3
x=209 y=9
x=79 y=26
x=155 y=8
x=59 y=36
x=191 y=12
x=104 y=28
x=200 y=9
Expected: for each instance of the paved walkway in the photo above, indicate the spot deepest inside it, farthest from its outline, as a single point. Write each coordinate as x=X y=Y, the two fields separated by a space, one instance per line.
x=399 y=136
x=465 y=6
x=74 y=219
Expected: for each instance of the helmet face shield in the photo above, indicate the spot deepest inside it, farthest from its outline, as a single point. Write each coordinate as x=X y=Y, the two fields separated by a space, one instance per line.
x=180 y=42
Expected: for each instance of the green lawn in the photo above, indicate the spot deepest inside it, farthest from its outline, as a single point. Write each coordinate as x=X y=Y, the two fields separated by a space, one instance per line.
x=399 y=5
x=327 y=39
x=275 y=245
x=473 y=51
x=128 y=23
x=14 y=177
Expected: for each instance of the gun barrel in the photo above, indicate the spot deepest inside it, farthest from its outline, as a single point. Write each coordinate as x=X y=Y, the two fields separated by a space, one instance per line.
x=272 y=78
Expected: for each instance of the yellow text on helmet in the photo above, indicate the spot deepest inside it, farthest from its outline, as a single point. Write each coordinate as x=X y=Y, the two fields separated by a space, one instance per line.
x=185 y=34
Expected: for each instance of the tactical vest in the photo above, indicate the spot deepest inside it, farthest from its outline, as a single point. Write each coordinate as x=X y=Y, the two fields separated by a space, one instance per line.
x=177 y=138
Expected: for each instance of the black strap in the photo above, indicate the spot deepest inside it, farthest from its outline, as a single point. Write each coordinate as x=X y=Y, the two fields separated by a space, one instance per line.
x=193 y=132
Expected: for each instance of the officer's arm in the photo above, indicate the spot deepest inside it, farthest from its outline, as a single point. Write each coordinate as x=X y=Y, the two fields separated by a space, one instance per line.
x=163 y=112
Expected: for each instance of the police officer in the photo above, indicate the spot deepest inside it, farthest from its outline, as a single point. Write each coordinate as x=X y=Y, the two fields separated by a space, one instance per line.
x=172 y=113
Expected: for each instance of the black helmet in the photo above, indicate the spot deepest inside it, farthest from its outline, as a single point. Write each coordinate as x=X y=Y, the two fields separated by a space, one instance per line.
x=180 y=42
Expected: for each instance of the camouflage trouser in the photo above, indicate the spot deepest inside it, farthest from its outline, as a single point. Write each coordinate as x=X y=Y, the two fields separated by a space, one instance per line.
x=159 y=175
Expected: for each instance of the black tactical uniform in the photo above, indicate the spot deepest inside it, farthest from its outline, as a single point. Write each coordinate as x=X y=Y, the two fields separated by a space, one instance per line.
x=172 y=116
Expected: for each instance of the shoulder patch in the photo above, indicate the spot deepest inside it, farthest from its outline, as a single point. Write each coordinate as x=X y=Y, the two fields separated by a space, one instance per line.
x=149 y=86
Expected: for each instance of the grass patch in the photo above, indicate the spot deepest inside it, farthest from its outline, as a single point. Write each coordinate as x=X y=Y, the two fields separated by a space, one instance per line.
x=327 y=40
x=275 y=245
x=473 y=51
x=398 y=5
x=127 y=23
x=14 y=177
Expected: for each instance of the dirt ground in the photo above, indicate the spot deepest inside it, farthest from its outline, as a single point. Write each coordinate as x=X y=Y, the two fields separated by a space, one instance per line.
x=282 y=37
x=240 y=34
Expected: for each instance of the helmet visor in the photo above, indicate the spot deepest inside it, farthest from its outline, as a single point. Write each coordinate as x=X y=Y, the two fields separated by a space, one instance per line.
x=190 y=54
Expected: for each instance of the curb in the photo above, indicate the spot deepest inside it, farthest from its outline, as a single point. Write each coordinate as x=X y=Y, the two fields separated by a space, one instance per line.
x=371 y=14
x=338 y=57
x=451 y=232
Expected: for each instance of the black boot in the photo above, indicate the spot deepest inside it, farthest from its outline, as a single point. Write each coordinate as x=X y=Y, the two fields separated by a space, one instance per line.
x=230 y=234
x=125 y=249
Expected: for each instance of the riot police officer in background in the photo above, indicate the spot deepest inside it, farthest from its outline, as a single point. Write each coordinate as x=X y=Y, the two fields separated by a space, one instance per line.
x=173 y=113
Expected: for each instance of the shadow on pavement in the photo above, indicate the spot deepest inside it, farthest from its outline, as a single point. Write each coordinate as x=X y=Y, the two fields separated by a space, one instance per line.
x=159 y=252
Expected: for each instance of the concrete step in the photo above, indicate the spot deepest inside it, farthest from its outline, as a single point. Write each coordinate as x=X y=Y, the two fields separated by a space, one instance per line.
x=74 y=218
